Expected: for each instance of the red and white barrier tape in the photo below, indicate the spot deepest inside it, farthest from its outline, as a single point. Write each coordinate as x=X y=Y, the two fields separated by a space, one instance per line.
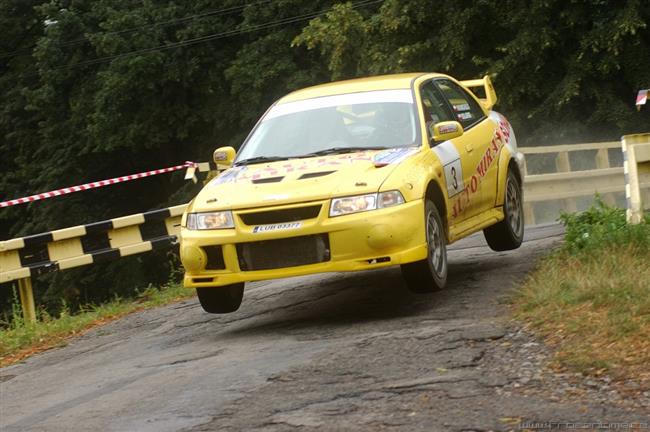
x=96 y=184
x=642 y=98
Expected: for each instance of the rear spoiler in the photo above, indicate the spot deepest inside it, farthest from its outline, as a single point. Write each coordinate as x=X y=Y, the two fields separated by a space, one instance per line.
x=490 y=95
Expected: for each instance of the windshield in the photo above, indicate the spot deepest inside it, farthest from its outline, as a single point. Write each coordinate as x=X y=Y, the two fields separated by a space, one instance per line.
x=372 y=120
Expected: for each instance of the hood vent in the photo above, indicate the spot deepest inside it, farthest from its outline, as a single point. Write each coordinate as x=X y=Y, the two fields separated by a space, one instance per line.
x=267 y=180
x=315 y=174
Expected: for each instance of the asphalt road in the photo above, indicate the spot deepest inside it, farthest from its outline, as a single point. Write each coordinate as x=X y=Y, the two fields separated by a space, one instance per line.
x=335 y=352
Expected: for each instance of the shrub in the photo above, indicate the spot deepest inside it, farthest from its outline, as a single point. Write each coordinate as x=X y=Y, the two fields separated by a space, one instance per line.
x=603 y=226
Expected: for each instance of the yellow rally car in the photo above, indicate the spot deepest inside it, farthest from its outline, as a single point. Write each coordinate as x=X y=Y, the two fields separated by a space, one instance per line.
x=356 y=175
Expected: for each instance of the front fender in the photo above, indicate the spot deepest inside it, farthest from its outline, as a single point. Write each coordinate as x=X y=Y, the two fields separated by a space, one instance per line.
x=412 y=176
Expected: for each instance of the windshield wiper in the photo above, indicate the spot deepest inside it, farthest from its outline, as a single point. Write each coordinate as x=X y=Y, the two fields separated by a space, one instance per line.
x=260 y=159
x=338 y=150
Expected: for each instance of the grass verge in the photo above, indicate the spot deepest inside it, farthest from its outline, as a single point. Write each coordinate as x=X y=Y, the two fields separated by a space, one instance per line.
x=20 y=339
x=591 y=298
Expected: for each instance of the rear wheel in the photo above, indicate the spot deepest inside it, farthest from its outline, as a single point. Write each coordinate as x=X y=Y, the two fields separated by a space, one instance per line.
x=429 y=274
x=223 y=299
x=509 y=233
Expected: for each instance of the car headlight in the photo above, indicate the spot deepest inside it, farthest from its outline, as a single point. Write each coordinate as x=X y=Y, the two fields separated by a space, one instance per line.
x=361 y=203
x=211 y=220
x=389 y=199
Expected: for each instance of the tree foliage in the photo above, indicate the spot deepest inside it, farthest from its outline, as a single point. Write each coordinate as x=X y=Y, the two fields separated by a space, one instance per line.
x=565 y=71
x=93 y=89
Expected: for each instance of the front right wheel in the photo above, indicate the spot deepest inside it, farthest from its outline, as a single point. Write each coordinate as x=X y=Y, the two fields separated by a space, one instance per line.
x=223 y=299
x=430 y=274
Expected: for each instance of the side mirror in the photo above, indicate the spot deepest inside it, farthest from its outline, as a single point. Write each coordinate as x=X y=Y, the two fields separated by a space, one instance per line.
x=446 y=130
x=224 y=156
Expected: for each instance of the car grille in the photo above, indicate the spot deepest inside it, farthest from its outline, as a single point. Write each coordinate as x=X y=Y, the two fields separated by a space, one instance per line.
x=279 y=216
x=289 y=252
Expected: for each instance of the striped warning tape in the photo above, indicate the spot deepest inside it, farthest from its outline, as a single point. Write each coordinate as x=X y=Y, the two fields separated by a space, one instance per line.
x=193 y=166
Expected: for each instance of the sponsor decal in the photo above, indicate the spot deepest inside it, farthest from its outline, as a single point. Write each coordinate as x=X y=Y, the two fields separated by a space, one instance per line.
x=251 y=172
x=248 y=173
x=393 y=156
x=277 y=227
x=228 y=176
x=461 y=107
x=464 y=116
x=506 y=130
x=298 y=165
x=501 y=138
x=443 y=129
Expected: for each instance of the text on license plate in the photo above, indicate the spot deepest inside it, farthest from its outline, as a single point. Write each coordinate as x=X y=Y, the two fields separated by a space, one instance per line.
x=277 y=227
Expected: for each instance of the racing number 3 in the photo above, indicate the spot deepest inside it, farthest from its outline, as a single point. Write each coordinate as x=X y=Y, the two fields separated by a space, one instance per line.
x=454 y=178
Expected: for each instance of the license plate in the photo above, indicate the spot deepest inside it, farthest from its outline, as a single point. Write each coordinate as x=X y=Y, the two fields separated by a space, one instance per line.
x=277 y=227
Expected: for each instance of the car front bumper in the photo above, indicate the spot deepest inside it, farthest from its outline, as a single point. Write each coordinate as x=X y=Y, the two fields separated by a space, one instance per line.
x=360 y=241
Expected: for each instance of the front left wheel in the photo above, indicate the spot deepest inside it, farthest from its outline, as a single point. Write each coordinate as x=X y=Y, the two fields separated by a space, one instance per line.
x=430 y=274
x=223 y=299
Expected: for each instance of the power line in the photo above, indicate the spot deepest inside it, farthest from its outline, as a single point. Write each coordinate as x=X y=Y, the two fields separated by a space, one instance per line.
x=225 y=11
x=214 y=36
x=217 y=12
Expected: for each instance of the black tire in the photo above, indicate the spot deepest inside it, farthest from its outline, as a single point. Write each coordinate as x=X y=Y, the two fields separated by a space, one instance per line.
x=223 y=299
x=430 y=274
x=508 y=233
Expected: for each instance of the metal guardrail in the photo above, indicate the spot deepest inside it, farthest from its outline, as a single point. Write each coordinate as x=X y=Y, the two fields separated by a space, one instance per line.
x=574 y=173
x=26 y=257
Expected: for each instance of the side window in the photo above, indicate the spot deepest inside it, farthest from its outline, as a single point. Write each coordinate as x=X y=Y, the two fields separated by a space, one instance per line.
x=434 y=106
x=466 y=110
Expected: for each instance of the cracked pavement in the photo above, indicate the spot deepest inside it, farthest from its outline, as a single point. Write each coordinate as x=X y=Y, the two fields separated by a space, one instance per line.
x=352 y=351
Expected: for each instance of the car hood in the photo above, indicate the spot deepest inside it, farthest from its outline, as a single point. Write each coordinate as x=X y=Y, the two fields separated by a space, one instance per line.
x=299 y=180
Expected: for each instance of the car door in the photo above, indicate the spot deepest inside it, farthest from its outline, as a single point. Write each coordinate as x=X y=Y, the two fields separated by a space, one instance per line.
x=451 y=153
x=475 y=148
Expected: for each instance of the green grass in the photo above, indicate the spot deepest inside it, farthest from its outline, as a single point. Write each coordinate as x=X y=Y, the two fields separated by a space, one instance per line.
x=591 y=298
x=19 y=339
